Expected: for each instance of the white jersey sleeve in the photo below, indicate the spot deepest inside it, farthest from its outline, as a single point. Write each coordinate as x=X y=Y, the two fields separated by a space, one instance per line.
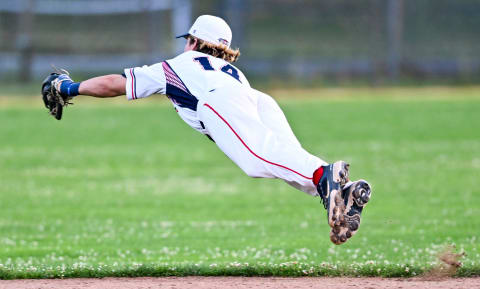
x=145 y=81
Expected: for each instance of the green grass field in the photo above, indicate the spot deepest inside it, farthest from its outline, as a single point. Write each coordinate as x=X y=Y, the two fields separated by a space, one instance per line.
x=128 y=189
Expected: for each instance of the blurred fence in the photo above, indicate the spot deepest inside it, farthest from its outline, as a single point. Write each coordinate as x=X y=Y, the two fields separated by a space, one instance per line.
x=297 y=39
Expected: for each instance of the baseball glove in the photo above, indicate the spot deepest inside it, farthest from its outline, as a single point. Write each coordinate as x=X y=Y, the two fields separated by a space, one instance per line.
x=52 y=98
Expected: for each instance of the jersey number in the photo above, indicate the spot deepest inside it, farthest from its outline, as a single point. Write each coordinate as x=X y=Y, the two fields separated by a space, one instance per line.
x=228 y=69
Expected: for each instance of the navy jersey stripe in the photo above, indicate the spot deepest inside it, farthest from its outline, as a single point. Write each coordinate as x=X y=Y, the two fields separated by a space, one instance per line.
x=182 y=98
x=134 y=84
x=177 y=91
x=177 y=76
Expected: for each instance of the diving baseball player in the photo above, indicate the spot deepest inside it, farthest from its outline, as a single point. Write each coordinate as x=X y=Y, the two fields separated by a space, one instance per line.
x=214 y=97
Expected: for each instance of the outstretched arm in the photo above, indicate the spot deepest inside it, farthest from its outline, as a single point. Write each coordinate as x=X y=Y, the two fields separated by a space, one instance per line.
x=103 y=86
x=136 y=82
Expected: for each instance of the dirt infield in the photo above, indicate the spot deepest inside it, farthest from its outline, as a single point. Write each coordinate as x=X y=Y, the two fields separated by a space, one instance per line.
x=241 y=282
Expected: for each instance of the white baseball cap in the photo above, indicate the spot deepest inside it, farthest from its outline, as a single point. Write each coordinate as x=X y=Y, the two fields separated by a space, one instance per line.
x=212 y=29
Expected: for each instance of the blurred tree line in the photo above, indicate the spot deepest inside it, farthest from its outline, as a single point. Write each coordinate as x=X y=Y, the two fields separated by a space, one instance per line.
x=299 y=40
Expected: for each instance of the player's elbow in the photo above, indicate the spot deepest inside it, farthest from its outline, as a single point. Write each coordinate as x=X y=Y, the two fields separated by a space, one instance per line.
x=110 y=86
x=114 y=85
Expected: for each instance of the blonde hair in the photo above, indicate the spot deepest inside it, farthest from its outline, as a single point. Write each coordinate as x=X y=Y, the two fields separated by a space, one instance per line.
x=215 y=50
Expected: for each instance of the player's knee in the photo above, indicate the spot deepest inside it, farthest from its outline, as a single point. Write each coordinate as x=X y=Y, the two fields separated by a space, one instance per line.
x=254 y=175
x=251 y=171
x=256 y=172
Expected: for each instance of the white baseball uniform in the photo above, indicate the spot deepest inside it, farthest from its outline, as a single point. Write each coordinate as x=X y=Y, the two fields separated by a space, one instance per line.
x=215 y=98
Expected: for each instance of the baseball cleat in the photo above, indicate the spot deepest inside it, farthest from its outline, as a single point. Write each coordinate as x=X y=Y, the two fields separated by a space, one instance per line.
x=355 y=196
x=329 y=187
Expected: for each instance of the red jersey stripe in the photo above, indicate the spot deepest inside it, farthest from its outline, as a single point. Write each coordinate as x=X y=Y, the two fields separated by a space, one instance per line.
x=248 y=148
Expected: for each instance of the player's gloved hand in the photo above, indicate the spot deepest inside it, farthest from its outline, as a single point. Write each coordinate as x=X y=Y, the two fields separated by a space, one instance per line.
x=57 y=91
x=65 y=85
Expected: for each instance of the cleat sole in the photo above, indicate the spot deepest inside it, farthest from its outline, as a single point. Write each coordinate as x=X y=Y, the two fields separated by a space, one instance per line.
x=340 y=172
x=337 y=217
x=362 y=193
x=346 y=226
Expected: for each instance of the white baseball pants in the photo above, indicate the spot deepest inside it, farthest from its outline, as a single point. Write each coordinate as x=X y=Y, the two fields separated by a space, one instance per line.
x=251 y=129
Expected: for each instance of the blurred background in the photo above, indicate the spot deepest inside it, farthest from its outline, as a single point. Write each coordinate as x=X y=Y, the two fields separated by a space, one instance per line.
x=339 y=42
x=392 y=86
